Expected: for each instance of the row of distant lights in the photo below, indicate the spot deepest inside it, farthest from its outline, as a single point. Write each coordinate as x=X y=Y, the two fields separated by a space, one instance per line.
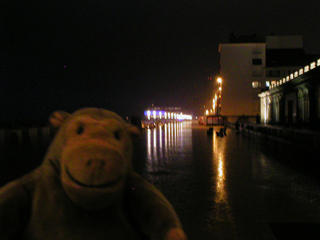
x=166 y=115
x=297 y=73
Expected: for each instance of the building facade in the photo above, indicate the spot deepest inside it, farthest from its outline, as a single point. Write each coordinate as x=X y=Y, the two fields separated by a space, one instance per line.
x=295 y=99
x=243 y=75
x=250 y=65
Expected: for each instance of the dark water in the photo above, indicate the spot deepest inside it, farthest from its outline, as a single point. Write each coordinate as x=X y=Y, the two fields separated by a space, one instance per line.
x=221 y=188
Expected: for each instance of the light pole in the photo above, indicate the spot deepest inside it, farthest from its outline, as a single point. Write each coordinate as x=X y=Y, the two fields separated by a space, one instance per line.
x=219 y=80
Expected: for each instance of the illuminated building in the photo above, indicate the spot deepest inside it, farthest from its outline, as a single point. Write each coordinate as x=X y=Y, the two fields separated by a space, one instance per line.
x=294 y=100
x=159 y=114
x=249 y=65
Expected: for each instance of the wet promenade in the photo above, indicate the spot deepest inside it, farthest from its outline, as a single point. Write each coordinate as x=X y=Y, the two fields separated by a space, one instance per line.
x=232 y=187
x=222 y=188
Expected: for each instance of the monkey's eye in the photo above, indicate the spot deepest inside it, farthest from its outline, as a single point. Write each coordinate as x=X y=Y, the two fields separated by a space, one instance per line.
x=80 y=130
x=117 y=134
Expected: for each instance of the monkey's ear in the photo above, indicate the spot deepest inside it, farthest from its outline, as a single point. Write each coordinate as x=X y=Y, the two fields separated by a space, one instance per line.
x=134 y=130
x=57 y=118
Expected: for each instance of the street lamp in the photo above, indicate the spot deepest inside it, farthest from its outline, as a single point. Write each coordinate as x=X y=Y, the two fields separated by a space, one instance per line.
x=219 y=80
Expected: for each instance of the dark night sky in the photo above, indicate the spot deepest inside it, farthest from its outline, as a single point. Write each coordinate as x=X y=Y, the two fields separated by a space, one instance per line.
x=127 y=55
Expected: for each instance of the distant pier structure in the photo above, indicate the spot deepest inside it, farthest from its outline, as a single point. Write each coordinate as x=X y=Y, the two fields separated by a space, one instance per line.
x=158 y=116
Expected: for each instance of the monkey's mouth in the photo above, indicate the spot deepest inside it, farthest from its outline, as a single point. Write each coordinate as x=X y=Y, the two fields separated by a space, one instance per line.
x=109 y=184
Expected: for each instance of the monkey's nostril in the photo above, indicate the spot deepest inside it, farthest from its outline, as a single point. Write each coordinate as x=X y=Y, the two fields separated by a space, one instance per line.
x=89 y=162
x=96 y=163
x=80 y=130
x=117 y=134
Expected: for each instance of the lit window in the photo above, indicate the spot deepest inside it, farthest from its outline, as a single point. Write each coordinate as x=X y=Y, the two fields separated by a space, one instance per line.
x=313 y=65
x=306 y=69
x=301 y=71
x=267 y=84
x=256 y=84
x=296 y=74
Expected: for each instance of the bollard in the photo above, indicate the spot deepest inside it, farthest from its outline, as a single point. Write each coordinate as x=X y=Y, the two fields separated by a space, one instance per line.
x=221 y=132
x=210 y=131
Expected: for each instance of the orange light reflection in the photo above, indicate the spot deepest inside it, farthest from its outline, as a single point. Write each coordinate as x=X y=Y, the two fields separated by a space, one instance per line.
x=219 y=164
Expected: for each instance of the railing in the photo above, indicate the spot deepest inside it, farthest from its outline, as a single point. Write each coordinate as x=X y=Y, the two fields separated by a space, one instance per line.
x=299 y=138
x=25 y=135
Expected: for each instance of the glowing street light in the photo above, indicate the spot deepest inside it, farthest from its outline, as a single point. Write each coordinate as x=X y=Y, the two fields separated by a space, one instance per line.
x=219 y=80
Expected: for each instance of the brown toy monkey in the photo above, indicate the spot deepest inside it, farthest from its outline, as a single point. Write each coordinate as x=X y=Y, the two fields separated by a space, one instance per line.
x=86 y=188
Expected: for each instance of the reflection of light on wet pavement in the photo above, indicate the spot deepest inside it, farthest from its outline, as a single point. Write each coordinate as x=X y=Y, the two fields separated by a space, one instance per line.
x=221 y=196
x=165 y=144
x=223 y=218
x=151 y=148
x=160 y=143
x=154 y=150
x=149 y=153
x=219 y=164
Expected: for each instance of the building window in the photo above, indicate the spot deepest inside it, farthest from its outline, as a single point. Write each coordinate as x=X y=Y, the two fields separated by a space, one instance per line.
x=256 y=84
x=267 y=84
x=256 y=61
